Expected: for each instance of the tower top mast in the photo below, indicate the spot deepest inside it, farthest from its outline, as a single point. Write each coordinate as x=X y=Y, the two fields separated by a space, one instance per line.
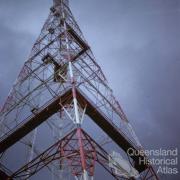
x=58 y=2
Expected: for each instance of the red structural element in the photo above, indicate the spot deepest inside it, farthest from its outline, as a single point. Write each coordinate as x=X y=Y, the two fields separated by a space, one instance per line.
x=77 y=148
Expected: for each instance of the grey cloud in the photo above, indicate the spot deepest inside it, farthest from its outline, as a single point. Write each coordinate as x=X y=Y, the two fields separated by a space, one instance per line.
x=135 y=42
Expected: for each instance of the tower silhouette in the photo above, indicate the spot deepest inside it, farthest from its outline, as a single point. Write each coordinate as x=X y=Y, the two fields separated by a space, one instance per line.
x=59 y=95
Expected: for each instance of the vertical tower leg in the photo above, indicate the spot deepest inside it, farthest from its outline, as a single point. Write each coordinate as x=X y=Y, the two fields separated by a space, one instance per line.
x=77 y=119
x=82 y=154
x=31 y=151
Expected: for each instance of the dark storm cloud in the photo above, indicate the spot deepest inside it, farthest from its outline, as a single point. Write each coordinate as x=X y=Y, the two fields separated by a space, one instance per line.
x=136 y=43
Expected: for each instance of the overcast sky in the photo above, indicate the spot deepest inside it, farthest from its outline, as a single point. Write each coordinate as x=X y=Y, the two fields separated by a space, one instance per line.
x=137 y=44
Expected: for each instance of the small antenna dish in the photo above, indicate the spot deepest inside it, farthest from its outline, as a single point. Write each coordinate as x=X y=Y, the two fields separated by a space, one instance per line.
x=121 y=166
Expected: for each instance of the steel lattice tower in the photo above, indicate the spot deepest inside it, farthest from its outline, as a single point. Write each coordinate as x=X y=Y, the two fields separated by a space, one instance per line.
x=62 y=87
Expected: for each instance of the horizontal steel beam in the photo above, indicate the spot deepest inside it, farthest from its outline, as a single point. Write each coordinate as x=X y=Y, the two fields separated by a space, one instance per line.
x=33 y=122
x=102 y=121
